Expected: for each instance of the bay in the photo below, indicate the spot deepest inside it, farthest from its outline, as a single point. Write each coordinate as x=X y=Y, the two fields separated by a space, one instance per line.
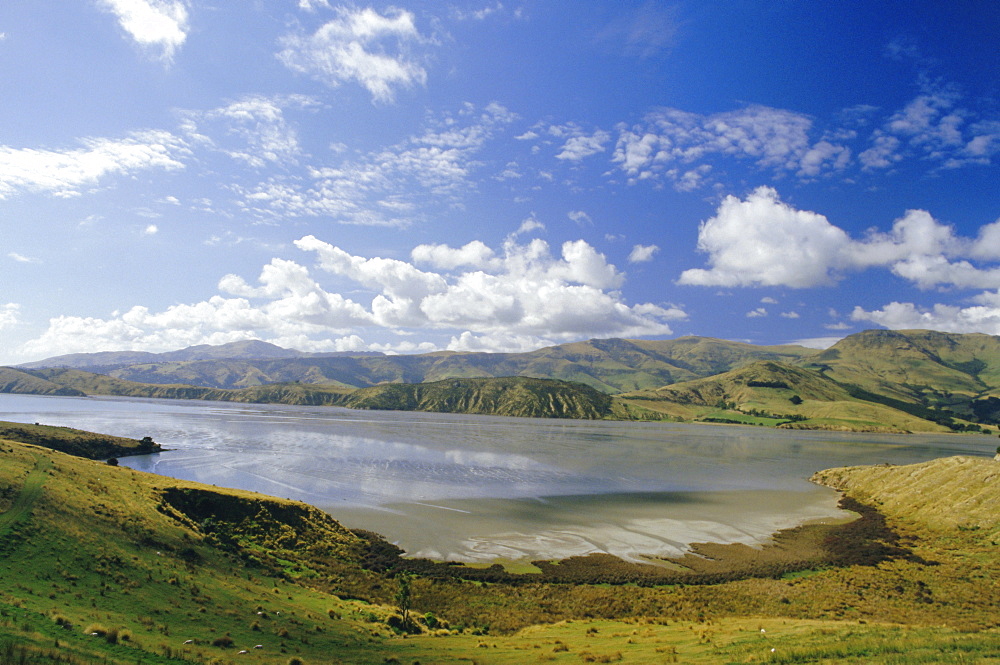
x=480 y=488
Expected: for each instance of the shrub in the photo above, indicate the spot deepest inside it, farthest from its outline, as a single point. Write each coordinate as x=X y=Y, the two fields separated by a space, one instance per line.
x=96 y=629
x=224 y=642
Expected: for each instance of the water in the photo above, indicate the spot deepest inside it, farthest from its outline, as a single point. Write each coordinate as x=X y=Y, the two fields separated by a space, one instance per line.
x=479 y=488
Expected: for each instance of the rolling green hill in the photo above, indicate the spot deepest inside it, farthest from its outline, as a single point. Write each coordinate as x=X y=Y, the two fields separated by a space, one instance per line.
x=773 y=393
x=611 y=366
x=17 y=381
x=512 y=396
x=77 y=442
x=107 y=565
x=877 y=380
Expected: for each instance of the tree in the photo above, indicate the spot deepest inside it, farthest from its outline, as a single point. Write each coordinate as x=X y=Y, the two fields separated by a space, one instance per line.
x=403 y=598
x=795 y=399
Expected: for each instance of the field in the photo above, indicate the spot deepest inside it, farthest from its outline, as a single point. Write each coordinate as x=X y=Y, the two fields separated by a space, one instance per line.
x=102 y=564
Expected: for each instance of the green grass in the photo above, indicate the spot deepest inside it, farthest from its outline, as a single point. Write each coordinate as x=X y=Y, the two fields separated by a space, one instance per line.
x=26 y=497
x=86 y=545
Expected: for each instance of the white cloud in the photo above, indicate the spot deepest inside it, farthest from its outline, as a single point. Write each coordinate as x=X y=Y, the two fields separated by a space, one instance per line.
x=790 y=315
x=383 y=188
x=526 y=292
x=774 y=139
x=520 y=296
x=767 y=300
x=154 y=24
x=945 y=318
x=474 y=254
x=580 y=217
x=642 y=253
x=10 y=315
x=757 y=313
x=576 y=148
x=253 y=129
x=527 y=226
x=360 y=45
x=477 y=14
x=151 y=230
x=20 y=258
x=497 y=343
x=818 y=342
x=64 y=173
x=762 y=241
x=312 y=5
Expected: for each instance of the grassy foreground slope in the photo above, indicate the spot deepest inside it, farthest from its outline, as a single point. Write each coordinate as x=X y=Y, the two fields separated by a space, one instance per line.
x=167 y=571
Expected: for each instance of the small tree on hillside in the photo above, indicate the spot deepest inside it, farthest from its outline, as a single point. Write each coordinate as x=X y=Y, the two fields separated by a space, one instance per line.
x=403 y=598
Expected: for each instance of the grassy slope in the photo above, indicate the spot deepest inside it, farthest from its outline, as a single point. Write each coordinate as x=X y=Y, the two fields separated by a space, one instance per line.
x=914 y=365
x=94 y=546
x=611 y=366
x=763 y=392
x=77 y=442
x=16 y=381
x=99 y=384
x=512 y=396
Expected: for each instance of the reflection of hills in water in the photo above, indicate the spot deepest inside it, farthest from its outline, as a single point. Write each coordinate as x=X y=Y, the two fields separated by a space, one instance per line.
x=373 y=469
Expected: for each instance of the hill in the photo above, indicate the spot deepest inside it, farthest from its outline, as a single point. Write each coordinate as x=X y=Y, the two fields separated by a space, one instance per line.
x=773 y=393
x=107 y=565
x=611 y=366
x=944 y=495
x=877 y=380
x=77 y=442
x=512 y=396
x=17 y=381
x=951 y=372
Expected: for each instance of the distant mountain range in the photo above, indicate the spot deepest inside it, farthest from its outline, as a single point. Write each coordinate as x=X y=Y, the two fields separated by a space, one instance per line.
x=877 y=380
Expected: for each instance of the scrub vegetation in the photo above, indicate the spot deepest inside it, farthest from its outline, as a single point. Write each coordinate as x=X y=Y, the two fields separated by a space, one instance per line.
x=103 y=564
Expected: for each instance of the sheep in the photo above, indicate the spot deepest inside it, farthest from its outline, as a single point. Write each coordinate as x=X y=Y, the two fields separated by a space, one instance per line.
x=258 y=646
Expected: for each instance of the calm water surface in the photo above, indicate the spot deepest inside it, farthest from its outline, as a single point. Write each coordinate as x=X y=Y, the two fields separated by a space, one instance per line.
x=481 y=488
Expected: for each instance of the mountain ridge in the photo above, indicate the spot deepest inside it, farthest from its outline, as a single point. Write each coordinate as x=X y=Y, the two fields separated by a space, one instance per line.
x=876 y=380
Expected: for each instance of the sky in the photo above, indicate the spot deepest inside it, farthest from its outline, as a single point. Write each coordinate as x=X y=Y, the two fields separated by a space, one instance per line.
x=486 y=175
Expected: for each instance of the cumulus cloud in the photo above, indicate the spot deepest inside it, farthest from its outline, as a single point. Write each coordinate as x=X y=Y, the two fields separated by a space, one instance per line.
x=523 y=295
x=159 y=25
x=10 y=314
x=474 y=254
x=946 y=318
x=64 y=173
x=576 y=148
x=360 y=45
x=762 y=241
x=642 y=253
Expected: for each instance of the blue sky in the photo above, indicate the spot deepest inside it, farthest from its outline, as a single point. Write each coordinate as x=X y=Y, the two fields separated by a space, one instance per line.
x=493 y=175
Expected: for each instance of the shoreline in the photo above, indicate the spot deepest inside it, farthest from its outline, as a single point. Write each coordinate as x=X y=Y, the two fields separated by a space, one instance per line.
x=863 y=540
